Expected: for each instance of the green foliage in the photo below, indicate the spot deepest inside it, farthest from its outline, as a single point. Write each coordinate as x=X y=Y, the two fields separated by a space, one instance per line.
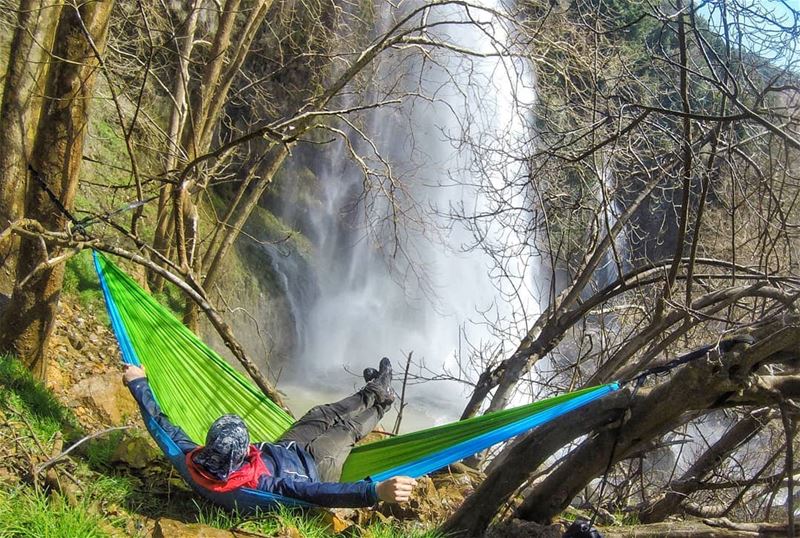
x=628 y=518
x=629 y=18
x=28 y=397
x=111 y=489
x=214 y=516
x=307 y=524
x=29 y=513
x=80 y=280
x=268 y=523
x=171 y=297
x=98 y=452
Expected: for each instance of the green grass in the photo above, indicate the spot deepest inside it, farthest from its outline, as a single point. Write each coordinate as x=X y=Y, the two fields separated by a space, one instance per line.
x=25 y=512
x=117 y=497
x=384 y=530
x=309 y=524
x=30 y=399
x=80 y=280
x=110 y=489
x=98 y=452
x=268 y=523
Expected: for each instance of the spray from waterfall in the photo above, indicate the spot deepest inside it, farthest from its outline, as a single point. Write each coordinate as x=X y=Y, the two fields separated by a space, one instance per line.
x=407 y=274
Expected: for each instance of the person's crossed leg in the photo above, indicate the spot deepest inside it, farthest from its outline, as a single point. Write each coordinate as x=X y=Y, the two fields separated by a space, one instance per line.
x=328 y=432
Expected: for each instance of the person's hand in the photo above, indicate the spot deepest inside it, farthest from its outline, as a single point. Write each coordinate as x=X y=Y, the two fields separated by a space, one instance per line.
x=396 y=489
x=132 y=373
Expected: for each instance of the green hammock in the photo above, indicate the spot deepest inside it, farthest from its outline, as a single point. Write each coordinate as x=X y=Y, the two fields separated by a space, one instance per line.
x=195 y=386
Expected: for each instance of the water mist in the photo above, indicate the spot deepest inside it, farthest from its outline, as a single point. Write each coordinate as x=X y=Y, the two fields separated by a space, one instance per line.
x=409 y=274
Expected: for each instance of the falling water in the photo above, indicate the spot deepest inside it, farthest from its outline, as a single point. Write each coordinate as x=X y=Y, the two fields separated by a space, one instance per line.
x=421 y=288
x=617 y=257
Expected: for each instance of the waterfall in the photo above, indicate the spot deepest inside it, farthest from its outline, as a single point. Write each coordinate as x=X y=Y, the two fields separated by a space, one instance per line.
x=424 y=287
x=616 y=258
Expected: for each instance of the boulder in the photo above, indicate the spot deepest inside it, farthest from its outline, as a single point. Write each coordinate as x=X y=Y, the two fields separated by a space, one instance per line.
x=106 y=396
x=334 y=522
x=76 y=339
x=136 y=451
x=517 y=528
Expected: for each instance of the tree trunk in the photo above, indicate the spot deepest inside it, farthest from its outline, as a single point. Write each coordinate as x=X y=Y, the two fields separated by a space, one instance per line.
x=699 y=385
x=478 y=510
x=184 y=46
x=270 y=167
x=28 y=320
x=192 y=129
x=697 y=529
x=21 y=105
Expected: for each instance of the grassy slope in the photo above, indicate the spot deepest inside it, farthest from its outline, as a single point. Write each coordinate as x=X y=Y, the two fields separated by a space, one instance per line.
x=112 y=500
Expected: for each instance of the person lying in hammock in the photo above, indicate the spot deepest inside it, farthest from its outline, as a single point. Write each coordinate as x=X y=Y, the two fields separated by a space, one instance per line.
x=305 y=463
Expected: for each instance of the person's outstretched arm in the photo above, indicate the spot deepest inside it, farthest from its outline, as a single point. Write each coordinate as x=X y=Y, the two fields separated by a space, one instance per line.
x=340 y=495
x=134 y=377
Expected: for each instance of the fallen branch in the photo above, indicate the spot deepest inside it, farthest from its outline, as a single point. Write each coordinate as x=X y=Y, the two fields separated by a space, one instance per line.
x=762 y=529
x=52 y=461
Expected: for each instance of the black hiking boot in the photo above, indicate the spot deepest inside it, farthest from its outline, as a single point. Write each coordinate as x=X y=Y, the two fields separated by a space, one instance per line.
x=385 y=373
x=381 y=384
x=370 y=374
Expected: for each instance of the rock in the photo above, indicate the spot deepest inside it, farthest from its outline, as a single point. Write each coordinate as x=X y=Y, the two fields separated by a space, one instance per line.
x=517 y=528
x=8 y=477
x=136 y=451
x=169 y=528
x=427 y=487
x=107 y=396
x=55 y=377
x=289 y=532
x=76 y=340
x=335 y=523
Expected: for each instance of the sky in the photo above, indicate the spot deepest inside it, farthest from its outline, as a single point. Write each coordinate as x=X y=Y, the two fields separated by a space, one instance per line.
x=765 y=19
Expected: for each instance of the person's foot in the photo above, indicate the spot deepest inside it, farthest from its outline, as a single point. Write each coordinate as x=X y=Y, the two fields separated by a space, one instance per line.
x=370 y=374
x=384 y=395
x=381 y=383
x=385 y=373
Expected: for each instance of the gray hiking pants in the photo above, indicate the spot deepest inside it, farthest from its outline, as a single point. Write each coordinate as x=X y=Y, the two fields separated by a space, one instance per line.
x=328 y=432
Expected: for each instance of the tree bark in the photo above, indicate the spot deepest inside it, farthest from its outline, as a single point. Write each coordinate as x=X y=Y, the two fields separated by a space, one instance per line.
x=698 y=529
x=184 y=46
x=33 y=36
x=28 y=320
x=699 y=385
x=477 y=511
